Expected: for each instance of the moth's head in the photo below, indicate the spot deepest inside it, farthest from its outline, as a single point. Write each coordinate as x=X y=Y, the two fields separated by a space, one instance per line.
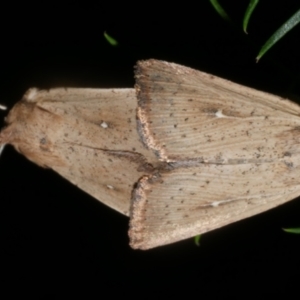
x=26 y=130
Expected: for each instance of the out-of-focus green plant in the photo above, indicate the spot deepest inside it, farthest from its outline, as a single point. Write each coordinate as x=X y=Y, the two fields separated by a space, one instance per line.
x=275 y=37
x=220 y=10
x=292 y=230
x=248 y=13
x=197 y=239
x=279 y=33
x=111 y=40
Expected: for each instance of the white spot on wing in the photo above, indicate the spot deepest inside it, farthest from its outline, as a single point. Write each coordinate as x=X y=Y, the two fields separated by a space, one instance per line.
x=3 y=107
x=217 y=203
x=219 y=114
x=104 y=125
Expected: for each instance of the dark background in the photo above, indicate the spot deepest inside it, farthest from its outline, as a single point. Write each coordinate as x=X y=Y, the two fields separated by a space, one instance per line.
x=54 y=234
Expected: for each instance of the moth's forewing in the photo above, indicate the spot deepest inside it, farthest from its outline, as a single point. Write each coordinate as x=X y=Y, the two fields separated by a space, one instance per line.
x=235 y=153
x=88 y=136
x=186 y=114
x=192 y=200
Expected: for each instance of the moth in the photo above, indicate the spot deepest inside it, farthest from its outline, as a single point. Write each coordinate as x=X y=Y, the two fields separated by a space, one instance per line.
x=181 y=154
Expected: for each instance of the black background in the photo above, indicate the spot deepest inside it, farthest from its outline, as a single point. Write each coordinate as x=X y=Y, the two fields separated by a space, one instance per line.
x=53 y=234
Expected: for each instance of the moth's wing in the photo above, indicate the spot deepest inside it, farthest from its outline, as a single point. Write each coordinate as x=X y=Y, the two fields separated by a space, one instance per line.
x=88 y=136
x=189 y=201
x=101 y=118
x=188 y=114
x=106 y=175
x=235 y=153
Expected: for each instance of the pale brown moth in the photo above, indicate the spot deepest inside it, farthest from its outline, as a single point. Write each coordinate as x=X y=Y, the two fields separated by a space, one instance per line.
x=183 y=153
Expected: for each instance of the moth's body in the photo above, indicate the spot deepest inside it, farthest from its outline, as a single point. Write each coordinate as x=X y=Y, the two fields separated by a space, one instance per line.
x=184 y=153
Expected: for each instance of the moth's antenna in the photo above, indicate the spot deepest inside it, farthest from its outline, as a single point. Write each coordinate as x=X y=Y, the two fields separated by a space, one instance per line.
x=1 y=148
x=2 y=107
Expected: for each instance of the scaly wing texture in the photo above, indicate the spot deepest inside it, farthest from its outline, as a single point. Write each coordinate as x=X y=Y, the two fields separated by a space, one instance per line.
x=88 y=136
x=187 y=114
x=234 y=152
x=188 y=201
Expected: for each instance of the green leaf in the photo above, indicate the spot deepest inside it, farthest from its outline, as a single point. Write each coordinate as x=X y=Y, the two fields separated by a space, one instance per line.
x=248 y=13
x=282 y=31
x=220 y=10
x=292 y=230
x=197 y=239
x=111 y=40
